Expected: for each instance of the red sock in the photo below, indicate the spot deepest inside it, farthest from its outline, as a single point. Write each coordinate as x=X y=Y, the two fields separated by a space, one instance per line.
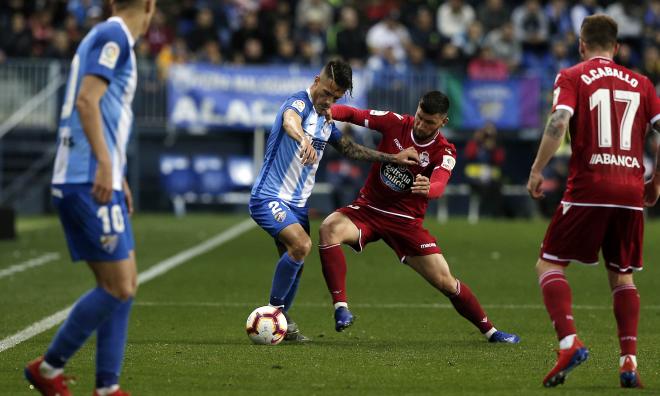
x=626 y=311
x=557 y=299
x=468 y=306
x=333 y=264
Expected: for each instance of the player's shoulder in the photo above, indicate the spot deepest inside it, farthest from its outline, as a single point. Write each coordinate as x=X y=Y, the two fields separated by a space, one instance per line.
x=445 y=146
x=111 y=30
x=300 y=101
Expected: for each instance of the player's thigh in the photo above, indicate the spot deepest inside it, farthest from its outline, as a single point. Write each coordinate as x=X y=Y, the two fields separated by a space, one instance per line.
x=295 y=238
x=408 y=238
x=435 y=270
x=575 y=233
x=94 y=232
x=622 y=245
x=338 y=228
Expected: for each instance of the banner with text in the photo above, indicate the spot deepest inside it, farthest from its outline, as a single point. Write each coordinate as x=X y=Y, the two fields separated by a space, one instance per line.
x=201 y=97
x=509 y=104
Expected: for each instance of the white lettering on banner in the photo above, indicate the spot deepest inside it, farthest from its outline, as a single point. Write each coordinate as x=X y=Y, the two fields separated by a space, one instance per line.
x=600 y=72
x=612 y=159
x=255 y=113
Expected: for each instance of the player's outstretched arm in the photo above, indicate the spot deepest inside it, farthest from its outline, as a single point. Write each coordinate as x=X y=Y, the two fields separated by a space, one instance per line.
x=348 y=148
x=91 y=91
x=552 y=137
x=292 y=124
x=652 y=187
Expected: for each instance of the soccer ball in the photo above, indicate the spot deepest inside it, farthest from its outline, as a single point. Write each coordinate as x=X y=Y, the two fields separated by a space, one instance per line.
x=266 y=325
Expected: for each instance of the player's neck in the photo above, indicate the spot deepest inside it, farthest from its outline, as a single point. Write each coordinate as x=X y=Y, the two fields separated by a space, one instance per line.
x=133 y=22
x=598 y=54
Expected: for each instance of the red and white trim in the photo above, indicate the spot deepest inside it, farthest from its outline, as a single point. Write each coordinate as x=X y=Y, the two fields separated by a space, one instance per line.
x=323 y=247
x=555 y=258
x=392 y=213
x=603 y=205
x=412 y=136
x=549 y=273
x=624 y=270
x=623 y=287
x=565 y=107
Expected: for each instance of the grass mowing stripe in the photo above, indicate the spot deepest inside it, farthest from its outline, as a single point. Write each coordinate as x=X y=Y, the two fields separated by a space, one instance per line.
x=153 y=272
x=377 y=306
x=31 y=263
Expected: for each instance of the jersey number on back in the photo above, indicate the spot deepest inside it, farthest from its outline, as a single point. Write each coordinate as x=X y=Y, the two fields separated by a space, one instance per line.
x=601 y=101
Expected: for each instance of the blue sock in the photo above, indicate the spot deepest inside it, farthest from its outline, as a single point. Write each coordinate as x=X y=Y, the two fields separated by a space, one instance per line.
x=110 y=345
x=89 y=312
x=288 y=300
x=284 y=277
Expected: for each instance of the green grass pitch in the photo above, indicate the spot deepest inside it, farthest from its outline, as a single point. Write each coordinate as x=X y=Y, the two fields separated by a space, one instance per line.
x=187 y=328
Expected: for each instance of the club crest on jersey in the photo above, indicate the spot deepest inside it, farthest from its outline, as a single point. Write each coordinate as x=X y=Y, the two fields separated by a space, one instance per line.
x=299 y=105
x=396 y=177
x=109 y=242
x=424 y=159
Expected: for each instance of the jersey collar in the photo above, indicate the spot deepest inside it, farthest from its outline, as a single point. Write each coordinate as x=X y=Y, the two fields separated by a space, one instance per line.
x=412 y=136
x=131 y=40
x=601 y=57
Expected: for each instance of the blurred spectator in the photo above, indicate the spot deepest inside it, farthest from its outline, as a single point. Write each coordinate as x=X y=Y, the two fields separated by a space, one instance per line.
x=73 y=31
x=560 y=57
x=249 y=30
x=203 y=31
x=559 y=18
x=313 y=36
x=625 y=57
x=318 y=11
x=389 y=37
x=471 y=40
x=628 y=14
x=41 y=25
x=651 y=64
x=454 y=16
x=350 y=42
x=487 y=67
x=493 y=14
x=253 y=52
x=484 y=158
x=79 y=9
x=505 y=46
x=452 y=59
x=424 y=34
x=59 y=47
x=531 y=26
x=581 y=10
x=175 y=53
x=210 y=53
x=159 y=34
x=19 y=41
x=652 y=22
x=286 y=52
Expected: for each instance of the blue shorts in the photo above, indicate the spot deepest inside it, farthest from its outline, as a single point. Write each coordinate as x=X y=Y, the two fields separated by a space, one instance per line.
x=274 y=214
x=93 y=232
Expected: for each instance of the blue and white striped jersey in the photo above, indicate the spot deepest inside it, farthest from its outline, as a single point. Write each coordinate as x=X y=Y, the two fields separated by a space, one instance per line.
x=107 y=52
x=282 y=175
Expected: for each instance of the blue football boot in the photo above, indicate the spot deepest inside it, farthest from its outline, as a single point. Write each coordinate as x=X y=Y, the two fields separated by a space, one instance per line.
x=343 y=318
x=500 y=336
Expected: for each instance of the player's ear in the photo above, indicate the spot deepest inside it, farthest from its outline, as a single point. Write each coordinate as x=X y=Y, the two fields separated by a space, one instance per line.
x=616 y=49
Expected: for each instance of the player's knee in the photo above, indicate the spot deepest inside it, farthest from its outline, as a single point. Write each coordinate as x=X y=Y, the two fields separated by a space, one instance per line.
x=327 y=232
x=299 y=250
x=122 y=290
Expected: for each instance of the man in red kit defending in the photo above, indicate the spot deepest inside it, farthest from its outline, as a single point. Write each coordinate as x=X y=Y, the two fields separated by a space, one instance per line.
x=392 y=204
x=606 y=108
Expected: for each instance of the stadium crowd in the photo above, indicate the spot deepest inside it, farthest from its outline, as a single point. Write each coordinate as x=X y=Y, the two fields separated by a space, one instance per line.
x=486 y=39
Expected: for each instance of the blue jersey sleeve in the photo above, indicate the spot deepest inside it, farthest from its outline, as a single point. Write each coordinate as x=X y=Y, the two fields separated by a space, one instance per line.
x=300 y=106
x=108 y=51
x=335 y=135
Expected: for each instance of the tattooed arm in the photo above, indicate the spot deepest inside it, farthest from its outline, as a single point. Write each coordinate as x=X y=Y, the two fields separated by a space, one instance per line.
x=652 y=187
x=348 y=148
x=552 y=137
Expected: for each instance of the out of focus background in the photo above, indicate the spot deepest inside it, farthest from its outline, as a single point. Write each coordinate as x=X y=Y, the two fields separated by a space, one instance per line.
x=212 y=74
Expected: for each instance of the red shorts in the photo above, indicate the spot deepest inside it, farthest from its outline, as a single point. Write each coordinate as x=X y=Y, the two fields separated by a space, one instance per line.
x=407 y=237
x=578 y=233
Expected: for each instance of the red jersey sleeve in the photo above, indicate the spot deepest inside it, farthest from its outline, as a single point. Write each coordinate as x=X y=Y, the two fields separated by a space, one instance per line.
x=564 y=94
x=378 y=120
x=653 y=103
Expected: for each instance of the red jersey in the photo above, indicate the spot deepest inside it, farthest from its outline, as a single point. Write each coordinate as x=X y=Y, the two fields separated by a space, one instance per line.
x=610 y=107
x=387 y=188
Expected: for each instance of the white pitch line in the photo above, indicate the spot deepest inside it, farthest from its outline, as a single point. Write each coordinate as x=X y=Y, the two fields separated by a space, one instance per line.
x=368 y=305
x=31 y=263
x=144 y=277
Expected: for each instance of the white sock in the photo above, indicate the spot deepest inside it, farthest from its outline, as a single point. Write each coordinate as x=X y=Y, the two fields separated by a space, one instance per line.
x=567 y=341
x=48 y=371
x=107 y=391
x=632 y=357
x=341 y=304
x=490 y=332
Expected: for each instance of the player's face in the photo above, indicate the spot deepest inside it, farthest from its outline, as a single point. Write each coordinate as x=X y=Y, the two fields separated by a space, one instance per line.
x=426 y=125
x=324 y=94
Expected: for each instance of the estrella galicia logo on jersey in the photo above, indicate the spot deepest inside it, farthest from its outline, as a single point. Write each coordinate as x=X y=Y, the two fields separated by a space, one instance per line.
x=424 y=159
x=278 y=213
x=109 y=242
x=109 y=55
x=396 y=177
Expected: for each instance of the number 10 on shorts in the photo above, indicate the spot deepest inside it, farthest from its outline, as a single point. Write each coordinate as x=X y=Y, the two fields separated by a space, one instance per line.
x=112 y=218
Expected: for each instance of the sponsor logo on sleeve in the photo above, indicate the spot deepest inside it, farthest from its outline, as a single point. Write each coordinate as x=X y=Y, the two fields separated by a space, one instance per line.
x=378 y=112
x=448 y=162
x=109 y=55
x=298 y=105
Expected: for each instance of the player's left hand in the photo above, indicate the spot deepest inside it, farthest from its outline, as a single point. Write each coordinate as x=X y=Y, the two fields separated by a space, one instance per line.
x=421 y=185
x=534 y=185
x=129 y=198
x=651 y=192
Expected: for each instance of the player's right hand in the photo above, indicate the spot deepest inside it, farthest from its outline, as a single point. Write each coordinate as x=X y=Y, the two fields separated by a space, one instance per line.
x=408 y=156
x=534 y=185
x=307 y=152
x=102 y=188
x=651 y=192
